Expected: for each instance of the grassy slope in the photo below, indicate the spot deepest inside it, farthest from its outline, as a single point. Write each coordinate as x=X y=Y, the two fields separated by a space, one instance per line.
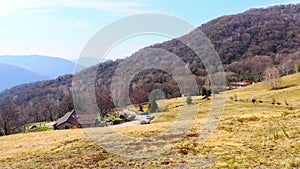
x=249 y=135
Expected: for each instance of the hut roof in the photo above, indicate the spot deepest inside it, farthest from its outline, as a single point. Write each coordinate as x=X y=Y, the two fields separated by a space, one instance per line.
x=68 y=117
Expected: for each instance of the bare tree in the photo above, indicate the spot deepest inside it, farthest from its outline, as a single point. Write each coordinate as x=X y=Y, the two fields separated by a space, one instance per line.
x=257 y=66
x=65 y=105
x=32 y=112
x=24 y=118
x=287 y=66
x=49 y=110
x=9 y=119
x=272 y=77
x=105 y=103
x=139 y=96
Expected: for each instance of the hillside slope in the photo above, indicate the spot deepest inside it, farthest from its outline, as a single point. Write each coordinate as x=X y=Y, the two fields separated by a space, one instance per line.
x=249 y=135
x=272 y=31
x=289 y=92
x=263 y=31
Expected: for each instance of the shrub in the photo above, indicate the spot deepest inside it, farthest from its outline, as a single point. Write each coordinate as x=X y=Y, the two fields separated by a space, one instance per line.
x=152 y=106
x=117 y=121
x=235 y=98
x=298 y=68
x=208 y=92
x=189 y=99
x=203 y=91
x=273 y=101
x=286 y=103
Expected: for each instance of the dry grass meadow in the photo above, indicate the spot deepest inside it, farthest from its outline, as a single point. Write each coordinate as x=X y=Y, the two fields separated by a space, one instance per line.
x=249 y=135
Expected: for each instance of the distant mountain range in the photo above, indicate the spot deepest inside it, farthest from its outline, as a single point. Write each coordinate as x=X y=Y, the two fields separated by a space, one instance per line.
x=13 y=75
x=15 y=70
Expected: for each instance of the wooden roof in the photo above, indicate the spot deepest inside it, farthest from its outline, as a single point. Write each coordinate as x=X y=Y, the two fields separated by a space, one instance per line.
x=68 y=117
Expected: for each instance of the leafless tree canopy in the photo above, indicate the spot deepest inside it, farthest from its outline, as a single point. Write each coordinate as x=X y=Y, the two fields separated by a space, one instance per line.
x=9 y=119
x=249 y=45
x=272 y=77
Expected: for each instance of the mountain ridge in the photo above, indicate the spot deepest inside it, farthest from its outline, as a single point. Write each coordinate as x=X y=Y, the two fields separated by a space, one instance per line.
x=17 y=75
x=247 y=44
x=47 y=67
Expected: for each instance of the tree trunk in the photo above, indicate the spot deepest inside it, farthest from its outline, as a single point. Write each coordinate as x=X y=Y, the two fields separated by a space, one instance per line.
x=141 y=107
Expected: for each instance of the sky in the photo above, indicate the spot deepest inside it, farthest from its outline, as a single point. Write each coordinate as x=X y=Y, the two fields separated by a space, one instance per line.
x=61 y=28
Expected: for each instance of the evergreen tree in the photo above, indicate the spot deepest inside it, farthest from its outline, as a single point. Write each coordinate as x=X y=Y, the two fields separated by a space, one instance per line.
x=152 y=106
x=203 y=92
x=298 y=68
x=189 y=99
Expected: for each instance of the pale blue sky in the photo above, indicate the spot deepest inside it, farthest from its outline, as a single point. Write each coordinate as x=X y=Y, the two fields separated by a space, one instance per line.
x=61 y=28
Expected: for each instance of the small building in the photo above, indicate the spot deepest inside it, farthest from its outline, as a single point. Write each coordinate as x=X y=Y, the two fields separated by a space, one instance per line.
x=235 y=85
x=69 y=120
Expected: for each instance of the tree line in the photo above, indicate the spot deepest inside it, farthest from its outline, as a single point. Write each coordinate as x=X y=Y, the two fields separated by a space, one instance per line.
x=253 y=46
